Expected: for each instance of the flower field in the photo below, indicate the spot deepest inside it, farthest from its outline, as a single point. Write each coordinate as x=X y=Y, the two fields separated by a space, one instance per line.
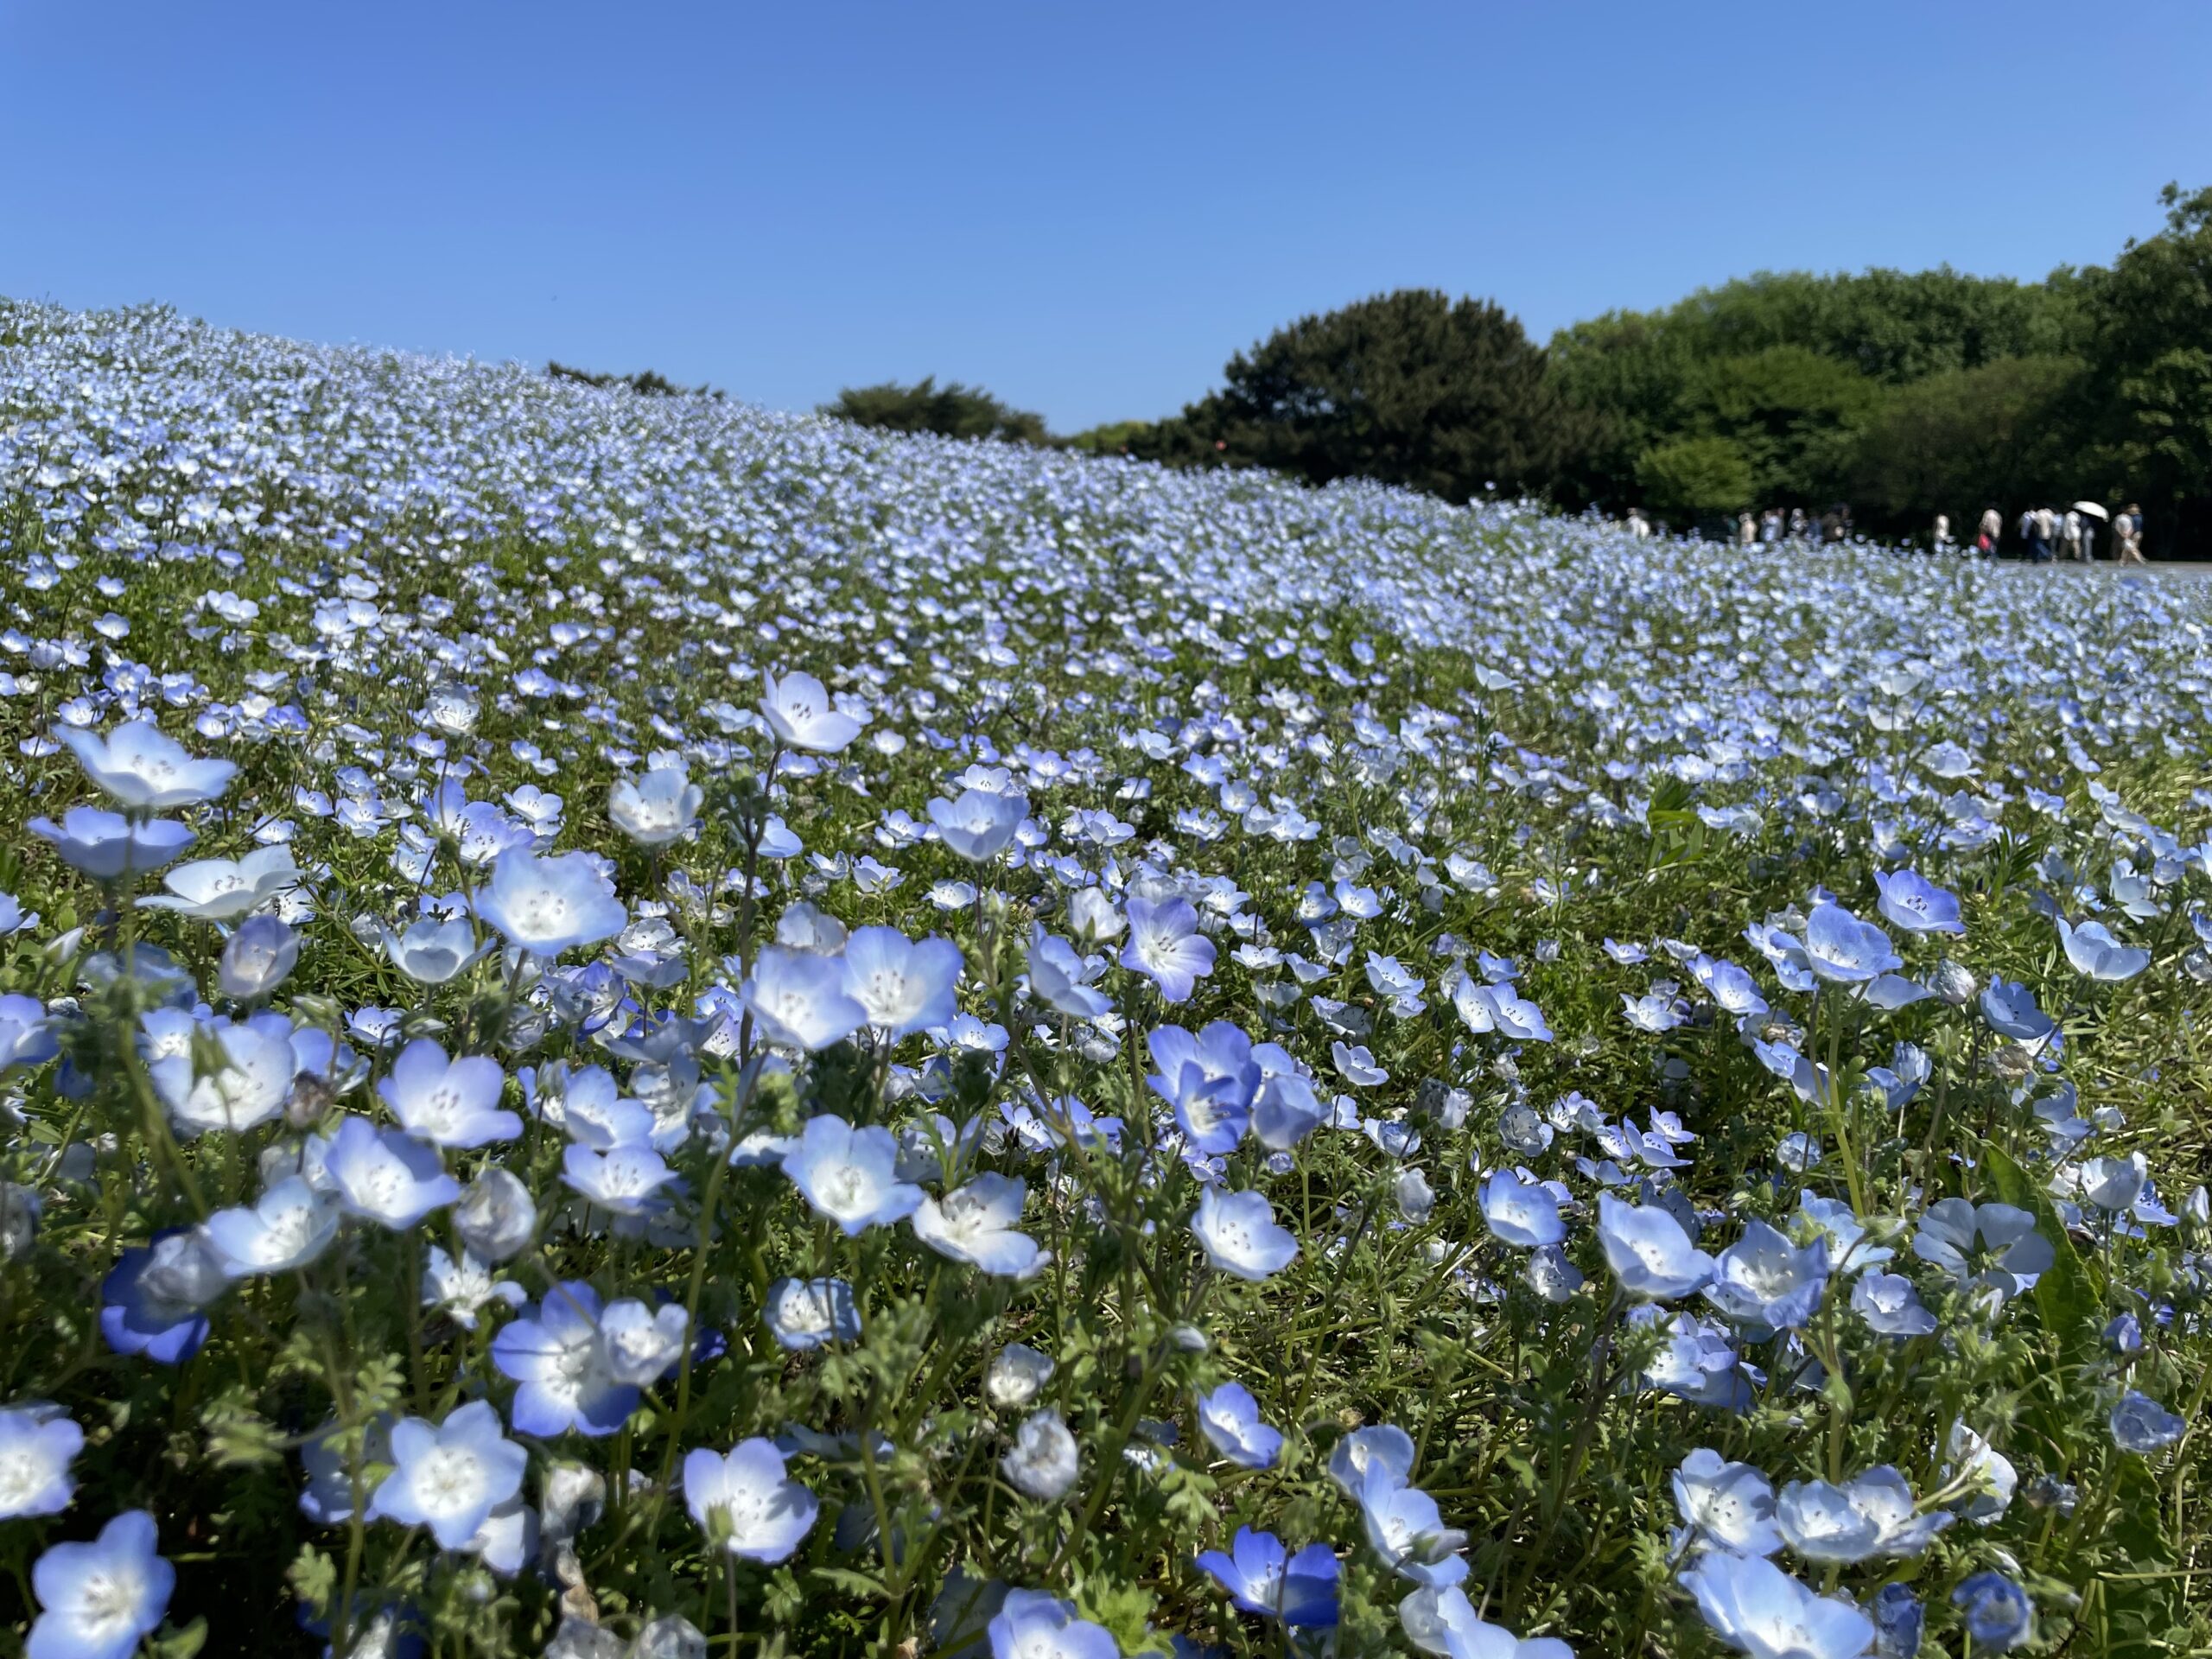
x=636 y=1028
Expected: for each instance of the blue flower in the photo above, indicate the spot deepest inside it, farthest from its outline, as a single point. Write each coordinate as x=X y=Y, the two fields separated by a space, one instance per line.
x=1209 y=1080
x=1165 y=946
x=449 y=1476
x=850 y=1175
x=1757 y=1609
x=36 y=1445
x=1261 y=1578
x=804 y=1314
x=1229 y=1418
x=1522 y=1213
x=799 y=999
x=559 y=1357
x=903 y=986
x=1649 y=1253
x=2142 y=1425
x=1915 y=905
x=745 y=1503
x=1999 y=1617
x=1765 y=1282
x=1240 y=1234
x=547 y=906
x=99 y=1600
x=1844 y=951
x=152 y=1299
x=1034 y=1625
x=447 y=1103
x=975 y=1225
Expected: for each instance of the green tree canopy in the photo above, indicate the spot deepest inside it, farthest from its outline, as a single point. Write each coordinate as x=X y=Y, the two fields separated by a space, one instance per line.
x=1695 y=478
x=1410 y=387
x=1967 y=439
x=951 y=410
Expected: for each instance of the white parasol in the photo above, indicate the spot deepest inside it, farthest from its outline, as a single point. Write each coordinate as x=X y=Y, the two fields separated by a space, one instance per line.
x=2092 y=510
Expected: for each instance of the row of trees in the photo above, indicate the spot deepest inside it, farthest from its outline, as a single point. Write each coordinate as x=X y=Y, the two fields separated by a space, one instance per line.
x=1903 y=394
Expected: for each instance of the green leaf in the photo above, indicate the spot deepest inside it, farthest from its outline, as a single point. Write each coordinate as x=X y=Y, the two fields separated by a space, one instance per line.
x=2069 y=1296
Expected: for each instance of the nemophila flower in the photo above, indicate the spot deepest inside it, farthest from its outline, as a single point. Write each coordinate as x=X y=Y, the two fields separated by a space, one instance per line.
x=1285 y=1109
x=223 y=889
x=143 y=770
x=1899 y=1619
x=1992 y=1245
x=1990 y=1476
x=904 y=986
x=850 y=1175
x=624 y=1181
x=975 y=1225
x=496 y=1217
x=1405 y=1528
x=1522 y=1213
x=802 y=1000
x=106 y=846
x=657 y=808
x=1917 y=904
x=153 y=1300
x=559 y=1360
x=800 y=713
x=1262 y=1577
x=1036 y=1624
x=1165 y=946
x=1229 y=1418
x=1653 y=1015
x=547 y=906
x=1240 y=1236
x=2140 y=1425
x=1092 y=917
x=36 y=1445
x=1044 y=1462
x=1891 y=1307
x=248 y=1088
x=431 y=952
x=289 y=1227
x=1208 y=1079
x=1382 y=1450
x=1844 y=951
x=383 y=1176
x=1725 y=1505
x=449 y=1476
x=1442 y=1621
x=1061 y=979
x=2095 y=954
x=641 y=1344
x=2011 y=1009
x=1016 y=1376
x=1765 y=1282
x=803 y=1314
x=99 y=1600
x=463 y=1287
x=256 y=959
x=1651 y=1256
x=980 y=825
x=747 y=1502
x=27 y=1036
x=1999 y=1615
x=447 y=1103
x=1757 y=1609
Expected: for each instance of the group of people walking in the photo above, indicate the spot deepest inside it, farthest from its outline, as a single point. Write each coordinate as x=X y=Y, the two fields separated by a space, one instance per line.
x=2048 y=533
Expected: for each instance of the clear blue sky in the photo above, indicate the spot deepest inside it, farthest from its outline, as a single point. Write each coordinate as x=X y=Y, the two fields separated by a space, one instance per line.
x=1084 y=207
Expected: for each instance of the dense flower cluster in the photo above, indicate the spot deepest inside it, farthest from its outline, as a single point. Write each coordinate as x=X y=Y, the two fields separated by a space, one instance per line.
x=629 y=1023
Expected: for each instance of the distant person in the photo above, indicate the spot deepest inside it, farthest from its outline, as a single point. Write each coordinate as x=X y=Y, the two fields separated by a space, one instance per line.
x=2044 y=524
x=2069 y=536
x=1771 y=526
x=2127 y=536
x=1993 y=527
x=2027 y=532
x=1747 y=532
x=1943 y=532
x=1798 y=524
x=2088 y=533
x=1637 y=526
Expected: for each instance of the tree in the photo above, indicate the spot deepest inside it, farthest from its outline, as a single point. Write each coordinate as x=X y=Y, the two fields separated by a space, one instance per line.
x=1695 y=478
x=1996 y=436
x=951 y=411
x=1410 y=387
x=2150 y=363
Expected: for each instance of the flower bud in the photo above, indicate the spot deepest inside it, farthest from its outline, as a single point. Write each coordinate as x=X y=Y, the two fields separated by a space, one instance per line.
x=496 y=1218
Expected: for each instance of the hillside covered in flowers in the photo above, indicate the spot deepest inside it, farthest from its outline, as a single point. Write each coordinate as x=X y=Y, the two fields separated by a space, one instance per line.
x=632 y=1027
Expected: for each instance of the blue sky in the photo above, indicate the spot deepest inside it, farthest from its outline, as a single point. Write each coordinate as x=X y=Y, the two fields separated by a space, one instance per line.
x=1085 y=209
